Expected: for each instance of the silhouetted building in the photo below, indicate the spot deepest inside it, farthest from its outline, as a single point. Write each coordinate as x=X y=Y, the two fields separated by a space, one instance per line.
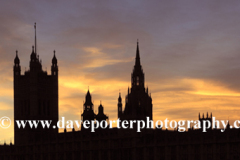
x=207 y=118
x=138 y=101
x=88 y=111
x=36 y=97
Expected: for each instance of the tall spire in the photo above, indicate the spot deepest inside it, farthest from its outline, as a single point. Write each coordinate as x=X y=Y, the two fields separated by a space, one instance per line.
x=35 y=27
x=138 y=75
x=137 y=60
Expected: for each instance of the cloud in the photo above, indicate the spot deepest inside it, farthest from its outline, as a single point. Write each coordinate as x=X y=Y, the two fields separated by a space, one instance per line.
x=96 y=59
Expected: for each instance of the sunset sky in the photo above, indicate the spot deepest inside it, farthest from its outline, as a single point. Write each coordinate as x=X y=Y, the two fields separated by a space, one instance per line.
x=189 y=49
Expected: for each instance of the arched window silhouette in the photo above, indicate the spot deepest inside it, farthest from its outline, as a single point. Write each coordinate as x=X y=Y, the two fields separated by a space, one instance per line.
x=137 y=81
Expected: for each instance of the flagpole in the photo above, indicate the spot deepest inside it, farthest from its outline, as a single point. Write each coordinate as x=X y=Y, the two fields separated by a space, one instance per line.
x=35 y=38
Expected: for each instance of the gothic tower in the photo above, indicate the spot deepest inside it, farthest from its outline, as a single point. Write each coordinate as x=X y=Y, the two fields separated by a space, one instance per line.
x=88 y=112
x=138 y=102
x=35 y=98
x=88 y=108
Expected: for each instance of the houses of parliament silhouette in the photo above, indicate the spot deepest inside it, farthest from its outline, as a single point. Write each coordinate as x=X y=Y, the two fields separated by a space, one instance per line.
x=36 y=98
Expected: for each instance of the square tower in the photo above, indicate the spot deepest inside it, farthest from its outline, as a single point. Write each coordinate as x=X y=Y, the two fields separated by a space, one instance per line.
x=35 y=98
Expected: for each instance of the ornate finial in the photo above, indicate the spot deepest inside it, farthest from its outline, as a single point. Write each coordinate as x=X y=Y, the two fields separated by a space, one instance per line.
x=137 y=41
x=100 y=101
x=16 y=60
x=33 y=48
x=54 y=59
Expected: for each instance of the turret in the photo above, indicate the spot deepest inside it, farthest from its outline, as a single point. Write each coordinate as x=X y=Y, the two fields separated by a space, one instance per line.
x=33 y=56
x=119 y=105
x=100 y=109
x=88 y=102
x=88 y=113
x=101 y=116
x=208 y=118
x=35 y=64
x=17 y=67
x=54 y=67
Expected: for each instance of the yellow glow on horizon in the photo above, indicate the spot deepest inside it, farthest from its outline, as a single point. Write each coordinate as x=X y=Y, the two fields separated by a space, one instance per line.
x=196 y=95
x=4 y=106
x=209 y=88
